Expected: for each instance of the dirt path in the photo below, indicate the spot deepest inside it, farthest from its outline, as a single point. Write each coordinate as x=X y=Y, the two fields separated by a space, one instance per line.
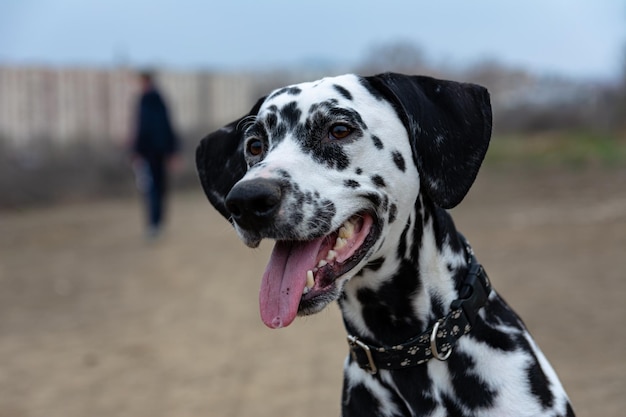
x=95 y=322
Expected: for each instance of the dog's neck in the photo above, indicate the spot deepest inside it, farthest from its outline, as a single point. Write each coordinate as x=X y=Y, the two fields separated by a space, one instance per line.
x=398 y=295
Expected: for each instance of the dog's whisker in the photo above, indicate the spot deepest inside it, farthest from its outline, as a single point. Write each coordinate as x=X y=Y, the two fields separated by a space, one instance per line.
x=246 y=122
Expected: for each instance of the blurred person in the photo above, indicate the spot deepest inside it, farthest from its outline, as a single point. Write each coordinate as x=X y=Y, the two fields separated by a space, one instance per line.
x=155 y=149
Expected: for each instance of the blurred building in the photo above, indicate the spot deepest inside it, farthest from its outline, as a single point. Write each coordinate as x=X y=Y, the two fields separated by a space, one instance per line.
x=66 y=106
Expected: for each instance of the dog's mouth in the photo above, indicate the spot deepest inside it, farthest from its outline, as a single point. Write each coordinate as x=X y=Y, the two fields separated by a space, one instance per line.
x=301 y=276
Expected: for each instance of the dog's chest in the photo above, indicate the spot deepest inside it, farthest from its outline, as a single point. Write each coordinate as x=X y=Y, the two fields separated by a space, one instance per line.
x=495 y=371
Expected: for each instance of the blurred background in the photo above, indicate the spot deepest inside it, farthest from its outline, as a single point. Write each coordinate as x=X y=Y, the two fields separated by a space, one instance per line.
x=95 y=320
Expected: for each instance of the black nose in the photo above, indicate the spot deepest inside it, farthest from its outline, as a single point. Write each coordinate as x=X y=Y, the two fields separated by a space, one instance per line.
x=253 y=204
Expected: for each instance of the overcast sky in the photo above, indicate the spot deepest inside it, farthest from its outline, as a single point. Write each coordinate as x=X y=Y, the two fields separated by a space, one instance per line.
x=575 y=38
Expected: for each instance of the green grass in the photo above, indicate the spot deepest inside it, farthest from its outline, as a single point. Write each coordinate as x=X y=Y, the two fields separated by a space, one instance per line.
x=561 y=149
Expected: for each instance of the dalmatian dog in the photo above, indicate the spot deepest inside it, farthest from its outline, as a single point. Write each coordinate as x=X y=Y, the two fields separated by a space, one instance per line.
x=351 y=177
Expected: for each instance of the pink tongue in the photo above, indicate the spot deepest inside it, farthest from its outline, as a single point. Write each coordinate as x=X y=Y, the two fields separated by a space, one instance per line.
x=284 y=280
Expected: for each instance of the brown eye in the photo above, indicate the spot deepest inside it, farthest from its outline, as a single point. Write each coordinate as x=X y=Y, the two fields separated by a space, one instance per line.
x=339 y=131
x=254 y=147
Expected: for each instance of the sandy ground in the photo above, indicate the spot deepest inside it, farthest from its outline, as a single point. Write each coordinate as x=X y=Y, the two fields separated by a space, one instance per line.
x=95 y=322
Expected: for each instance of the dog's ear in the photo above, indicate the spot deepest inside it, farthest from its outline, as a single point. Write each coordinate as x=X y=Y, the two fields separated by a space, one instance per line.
x=220 y=161
x=449 y=125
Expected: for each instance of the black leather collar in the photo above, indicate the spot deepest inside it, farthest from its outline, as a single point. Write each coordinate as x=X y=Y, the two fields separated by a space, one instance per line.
x=439 y=339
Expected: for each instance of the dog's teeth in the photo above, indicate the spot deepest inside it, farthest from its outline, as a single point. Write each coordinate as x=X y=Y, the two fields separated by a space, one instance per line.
x=310 y=281
x=340 y=243
x=322 y=263
x=331 y=255
x=347 y=230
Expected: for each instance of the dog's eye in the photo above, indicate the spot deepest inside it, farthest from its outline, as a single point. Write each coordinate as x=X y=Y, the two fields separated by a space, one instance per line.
x=254 y=147
x=339 y=131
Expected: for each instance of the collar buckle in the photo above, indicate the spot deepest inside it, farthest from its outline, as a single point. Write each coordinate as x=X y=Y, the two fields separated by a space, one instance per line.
x=354 y=343
x=474 y=293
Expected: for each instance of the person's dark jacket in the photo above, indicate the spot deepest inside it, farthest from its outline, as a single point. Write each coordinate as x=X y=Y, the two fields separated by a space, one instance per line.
x=155 y=136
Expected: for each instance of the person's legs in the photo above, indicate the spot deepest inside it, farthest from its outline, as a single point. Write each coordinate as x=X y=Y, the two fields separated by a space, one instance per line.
x=156 y=195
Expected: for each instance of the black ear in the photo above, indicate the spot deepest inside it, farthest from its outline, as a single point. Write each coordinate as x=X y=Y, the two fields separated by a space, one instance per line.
x=449 y=125
x=220 y=161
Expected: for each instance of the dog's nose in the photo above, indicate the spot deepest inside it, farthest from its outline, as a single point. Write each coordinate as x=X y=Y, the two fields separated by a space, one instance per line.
x=252 y=204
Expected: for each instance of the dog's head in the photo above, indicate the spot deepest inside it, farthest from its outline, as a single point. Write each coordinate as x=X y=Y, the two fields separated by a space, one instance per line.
x=331 y=170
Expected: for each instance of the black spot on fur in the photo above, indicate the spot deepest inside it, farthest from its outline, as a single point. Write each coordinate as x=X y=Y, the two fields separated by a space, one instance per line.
x=539 y=385
x=340 y=113
x=378 y=181
x=401 y=251
x=323 y=216
x=374 y=198
x=333 y=157
x=324 y=211
x=278 y=134
x=283 y=174
x=358 y=171
x=312 y=136
x=377 y=142
x=452 y=408
x=393 y=212
x=492 y=337
x=374 y=265
x=436 y=306
x=471 y=390
x=385 y=205
x=292 y=91
x=295 y=216
x=423 y=210
x=290 y=114
x=271 y=121
x=374 y=92
x=415 y=388
x=447 y=232
x=418 y=234
x=351 y=184
x=300 y=199
x=323 y=105
x=341 y=90
x=388 y=312
x=308 y=197
x=358 y=400
x=498 y=313
x=398 y=159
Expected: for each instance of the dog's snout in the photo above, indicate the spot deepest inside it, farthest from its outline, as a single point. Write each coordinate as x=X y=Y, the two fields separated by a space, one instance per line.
x=253 y=203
